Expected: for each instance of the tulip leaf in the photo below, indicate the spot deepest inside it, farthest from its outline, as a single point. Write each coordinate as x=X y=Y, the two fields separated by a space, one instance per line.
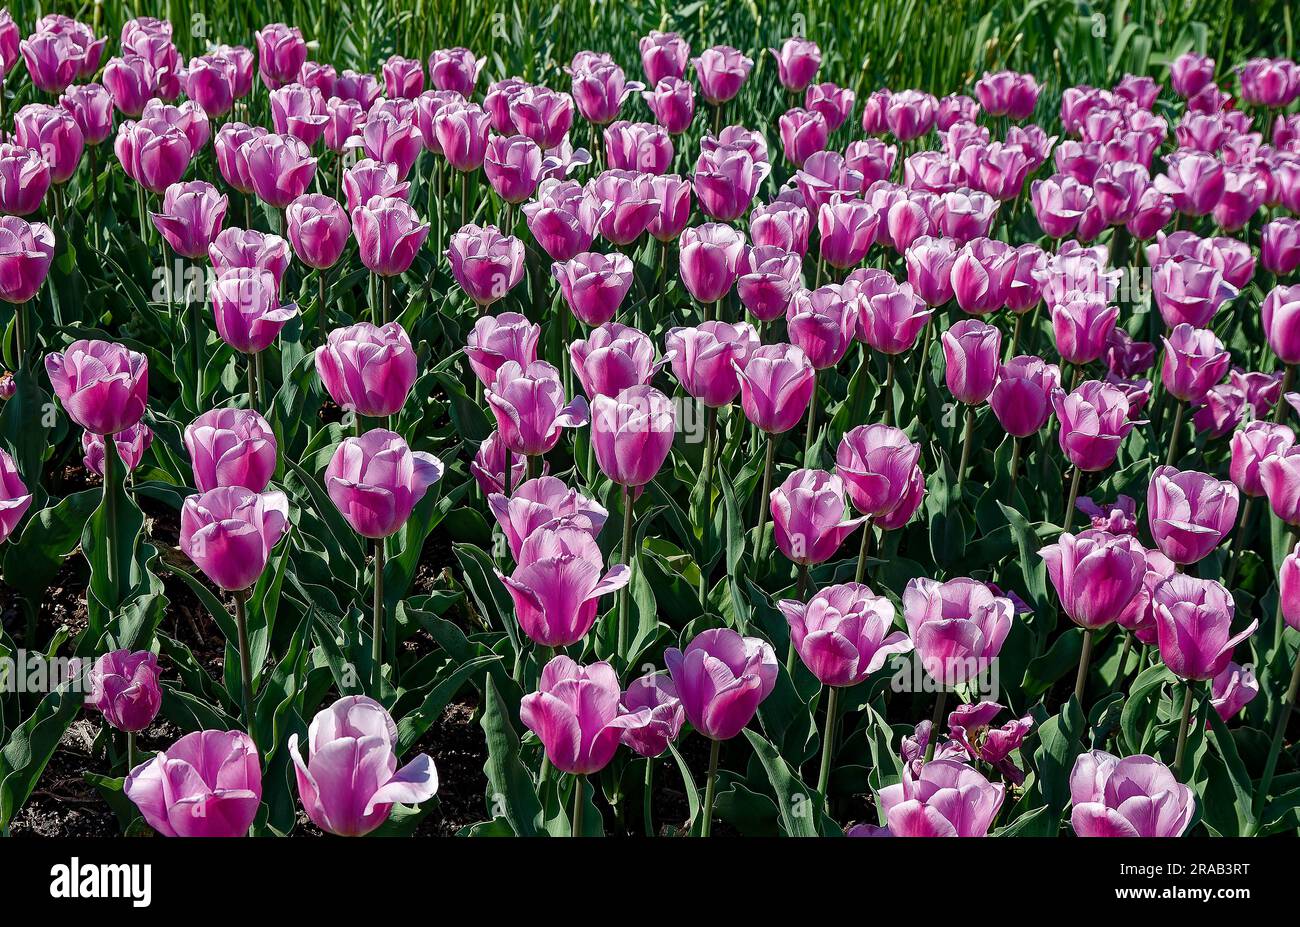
x=1060 y=743
x=33 y=558
x=1243 y=790
x=30 y=746
x=692 y=791
x=415 y=723
x=1037 y=823
x=1139 y=712
x=511 y=793
x=488 y=592
x=802 y=810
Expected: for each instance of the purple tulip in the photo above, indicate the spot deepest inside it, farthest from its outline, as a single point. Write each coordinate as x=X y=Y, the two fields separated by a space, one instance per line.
x=612 y=358
x=638 y=146
x=780 y=224
x=594 y=285
x=981 y=275
x=250 y=249
x=528 y=403
x=929 y=269
x=319 y=229
x=52 y=132
x=834 y=103
x=403 y=77
x=672 y=102
x=875 y=463
x=228 y=533
x=153 y=153
x=776 y=385
x=104 y=387
x=26 y=252
x=721 y=678
x=14 y=497
x=543 y=501
x=704 y=359
x=629 y=204
x=462 y=133
x=709 y=259
x=797 y=62
x=210 y=82
x=844 y=634
x=809 y=516
x=389 y=235
x=1251 y=445
x=562 y=218
x=721 y=71
x=846 y=229
x=803 y=132
x=726 y=180
x=1132 y=797
x=392 y=139
x=1096 y=575
x=247 y=310
x=1094 y=422
x=910 y=114
x=124 y=688
x=231 y=447
x=957 y=626
x=632 y=434
x=281 y=52
x=663 y=54
x=822 y=323
x=1271 y=82
x=1007 y=93
x=513 y=166
x=24 y=180
x=946 y=798
x=1279 y=474
x=130 y=443
x=191 y=217
x=299 y=111
x=971 y=350
x=543 y=114
x=1232 y=690
x=1194 y=361
x=1279 y=314
x=652 y=700
x=1082 y=324
x=971 y=727
x=1022 y=397
x=599 y=89
x=52 y=60
x=491 y=462
x=455 y=69
x=280 y=167
x=350 y=780
x=207 y=784
x=575 y=713
x=1189 y=512
x=91 y=107
x=376 y=481
x=1194 y=626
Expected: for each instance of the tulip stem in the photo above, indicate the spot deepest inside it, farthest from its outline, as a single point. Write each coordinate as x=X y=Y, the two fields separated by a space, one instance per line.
x=20 y=335
x=828 y=741
x=863 y=551
x=762 y=499
x=965 y=446
x=647 y=798
x=1172 y=454
x=1015 y=466
x=130 y=751
x=1069 y=502
x=1238 y=541
x=1279 y=735
x=812 y=424
x=245 y=662
x=1015 y=336
x=1085 y=658
x=579 y=786
x=377 y=626
x=889 y=391
x=1120 y=674
x=801 y=590
x=1183 y=726
x=935 y=720
x=710 y=450
x=710 y=785
x=322 y=320
x=386 y=286
x=110 y=514
x=1279 y=410
x=624 y=559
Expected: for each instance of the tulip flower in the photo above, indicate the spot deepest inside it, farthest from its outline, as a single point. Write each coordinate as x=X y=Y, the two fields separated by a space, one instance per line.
x=249 y=249
x=957 y=627
x=782 y=224
x=1232 y=690
x=1189 y=512
x=910 y=114
x=947 y=798
x=153 y=153
x=14 y=497
x=672 y=102
x=876 y=463
x=124 y=688
x=52 y=132
x=513 y=166
x=1022 y=398
x=91 y=107
x=797 y=61
x=131 y=443
x=462 y=133
x=638 y=146
x=821 y=323
x=809 y=517
x=629 y=204
x=403 y=77
x=389 y=235
x=562 y=218
x=721 y=71
x=1270 y=82
x=844 y=633
x=497 y=339
x=594 y=285
x=971 y=350
x=455 y=69
x=247 y=309
x=970 y=726
x=281 y=52
x=776 y=384
x=705 y=359
x=1136 y=796
x=663 y=54
x=846 y=229
x=392 y=140
x=24 y=180
x=52 y=60
x=229 y=531
x=26 y=252
x=1251 y=445
x=299 y=111
x=981 y=275
x=1194 y=361
x=231 y=447
x=209 y=80
x=491 y=462
x=528 y=402
x=1278 y=315
x=726 y=180
x=614 y=357
x=1279 y=474
x=710 y=258
x=1194 y=621
x=319 y=229
x=652 y=702
x=191 y=217
x=103 y=386
x=929 y=269
x=207 y=784
x=599 y=88
x=280 y=167
x=543 y=114
x=363 y=88
x=1094 y=422
x=350 y=780
x=1082 y=324
x=803 y=133
x=540 y=502
x=375 y=480
x=1007 y=93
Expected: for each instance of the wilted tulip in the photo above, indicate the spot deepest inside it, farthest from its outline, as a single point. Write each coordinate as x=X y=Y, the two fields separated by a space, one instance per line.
x=14 y=497
x=528 y=403
x=124 y=687
x=632 y=434
x=389 y=235
x=130 y=444
x=228 y=533
x=1136 y=796
x=1189 y=512
x=1022 y=397
x=104 y=387
x=776 y=385
x=281 y=52
x=844 y=634
x=247 y=310
x=947 y=798
x=191 y=217
x=26 y=252
x=207 y=784
x=350 y=780
x=1094 y=422
x=612 y=358
x=652 y=700
x=722 y=678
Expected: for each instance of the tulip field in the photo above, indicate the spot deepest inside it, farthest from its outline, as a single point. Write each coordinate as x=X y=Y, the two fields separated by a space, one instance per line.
x=485 y=418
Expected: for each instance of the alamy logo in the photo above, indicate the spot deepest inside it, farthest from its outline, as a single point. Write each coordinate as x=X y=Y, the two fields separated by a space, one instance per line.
x=76 y=879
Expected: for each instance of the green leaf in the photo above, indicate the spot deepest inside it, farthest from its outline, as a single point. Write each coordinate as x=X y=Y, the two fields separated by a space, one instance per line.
x=30 y=747
x=414 y=724
x=801 y=809
x=511 y=792
x=1060 y=743
x=33 y=559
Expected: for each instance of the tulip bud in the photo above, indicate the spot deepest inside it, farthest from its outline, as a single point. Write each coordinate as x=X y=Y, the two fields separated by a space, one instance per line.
x=124 y=687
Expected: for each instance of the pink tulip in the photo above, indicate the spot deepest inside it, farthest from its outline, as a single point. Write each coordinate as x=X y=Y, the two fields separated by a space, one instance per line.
x=704 y=359
x=1288 y=579
x=191 y=217
x=632 y=434
x=124 y=688
x=844 y=634
x=1194 y=179
x=319 y=229
x=803 y=132
x=846 y=229
x=350 y=780
x=1278 y=314
x=1279 y=475
x=871 y=158
x=91 y=107
x=1251 y=445
x=498 y=339
x=26 y=252
x=946 y=798
x=638 y=146
x=825 y=175
x=910 y=114
x=599 y=89
x=207 y=784
x=528 y=403
x=1271 y=82
x=834 y=103
x=809 y=516
x=24 y=180
x=280 y=167
x=232 y=157
x=231 y=447
x=663 y=54
x=368 y=180
x=1194 y=626
x=1094 y=422
x=776 y=385
x=721 y=71
x=1132 y=797
x=971 y=350
x=797 y=62
x=709 y=259
x=875 y=463
x=188 y=117
x=1194 y=361
x=1081 y=326
x=228 y=533
x=462 y=133
x=490 y=463
x=391 y=140
x=769 y=276
x=781 y=224
x=9 y=39
x=281 y=52
x=822 y=323
x=721 y=679
x=726 y=180
x=363 y=88
x=613 y=358
x=1022 y=397
x=958 y=627
x=52 y=60
x=14 y=497
x=344 y=120
x=247 y=310
x=233 y=249
x=981 y=275
x=130 y=444
x=513 y=166
x=562 y=218
x=53 y=132
x=1280 y=245
x=104 y=387
x=1059 y=203
x=652 y=701
x=455 y=69
x=389 y=235
x=153 y=153
x=1190 y=513
x=890 y=316
x=964 y=215
x=629 y=204
x=210 y=82
x=300 y=112
x=543 y=114
x=672 y=102
x=594 y=285
x=543 y=501
x=1007 y=93
x=403 y=77
x=1190 y=73
x=368 y=369
x=1190 y=292
x=929 y=269
x=575 y=713
x=376 y=481
x=1096 y=575
x=1232 y=690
